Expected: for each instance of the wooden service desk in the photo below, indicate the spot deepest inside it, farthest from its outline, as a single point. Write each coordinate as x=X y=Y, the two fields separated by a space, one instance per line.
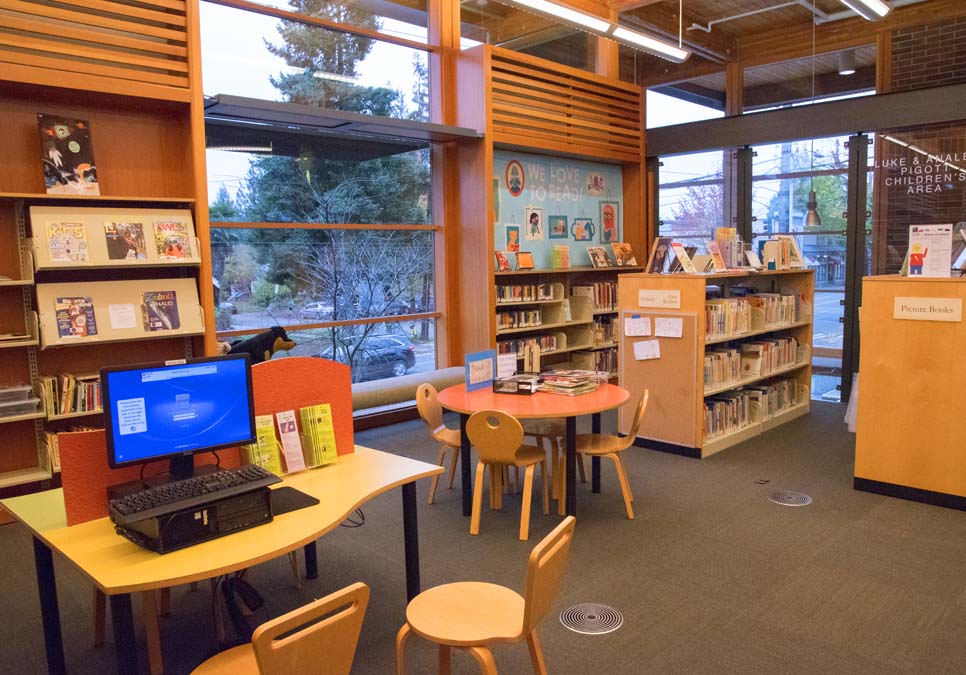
x=541 y=405
x=118 y=567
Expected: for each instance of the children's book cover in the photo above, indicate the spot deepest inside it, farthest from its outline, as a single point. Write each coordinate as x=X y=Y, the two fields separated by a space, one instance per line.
x=125 y=241
x=160 y=310
x=171 y=239
x=67 y=153
x=623 y=254
x=67 y=242
x=75 y=317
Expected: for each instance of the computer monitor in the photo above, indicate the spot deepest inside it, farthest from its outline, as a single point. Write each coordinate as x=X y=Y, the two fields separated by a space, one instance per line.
x=176 y=409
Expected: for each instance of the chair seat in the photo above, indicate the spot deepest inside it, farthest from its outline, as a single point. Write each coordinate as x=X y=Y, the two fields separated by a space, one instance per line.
x=528 y=455
x=467 y=613
x=238 y=660
x=594 y=444
x=447 y=436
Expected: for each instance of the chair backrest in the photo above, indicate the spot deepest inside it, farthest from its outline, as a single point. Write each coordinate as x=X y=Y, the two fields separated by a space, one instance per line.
x=318 y=638
x=636 y=422
x=545 y=572
x=427 y=403
x=496 y=435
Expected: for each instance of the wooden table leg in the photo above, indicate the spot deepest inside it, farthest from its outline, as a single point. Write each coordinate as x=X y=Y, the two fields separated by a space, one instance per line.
x=49 y=609
x=125 y=647
x=152 y=631
x=595 y=460
x=411 y=540
x=571 y=471
x=466 y=473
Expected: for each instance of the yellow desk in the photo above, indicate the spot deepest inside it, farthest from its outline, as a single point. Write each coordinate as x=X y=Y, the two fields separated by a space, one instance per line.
x=118 y=567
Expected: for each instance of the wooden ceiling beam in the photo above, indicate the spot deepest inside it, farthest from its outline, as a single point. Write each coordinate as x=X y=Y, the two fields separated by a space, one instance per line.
x=628 y=5
x=800 y=89
x=718 y=45
x=655 y=72
x=795 y=41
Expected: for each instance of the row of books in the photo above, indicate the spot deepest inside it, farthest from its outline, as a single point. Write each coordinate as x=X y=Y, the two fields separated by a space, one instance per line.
x=731 y=411
x=68 y=393
x=601 y=360
x=51 y=448
x=546 y=343
x=739 y=315
x=603 y=294
x=523 y=318
x=524 y=292
x=725 y=365
x=605 y=330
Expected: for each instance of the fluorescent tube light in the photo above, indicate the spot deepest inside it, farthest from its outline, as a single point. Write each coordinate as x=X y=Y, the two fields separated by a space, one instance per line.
x=606 y=29
x=649 y=44
x=868 y=9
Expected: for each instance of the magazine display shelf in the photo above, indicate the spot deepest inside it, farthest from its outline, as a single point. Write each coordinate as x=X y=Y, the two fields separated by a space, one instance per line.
x=94 y=221
x=118 y=296
x=676 y=415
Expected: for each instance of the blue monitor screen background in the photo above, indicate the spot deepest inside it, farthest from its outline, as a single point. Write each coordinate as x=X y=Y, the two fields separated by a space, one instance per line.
x=161 y=411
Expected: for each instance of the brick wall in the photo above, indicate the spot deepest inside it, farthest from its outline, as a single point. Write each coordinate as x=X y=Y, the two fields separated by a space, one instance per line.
x=913 y=188
x=931 y=55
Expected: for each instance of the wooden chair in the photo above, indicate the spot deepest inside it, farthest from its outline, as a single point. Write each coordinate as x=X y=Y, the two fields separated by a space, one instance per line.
x=319 y=638
x=498 y=438
x=611 y=446
x=427 y=403
x=553 y=431
x=471 y=615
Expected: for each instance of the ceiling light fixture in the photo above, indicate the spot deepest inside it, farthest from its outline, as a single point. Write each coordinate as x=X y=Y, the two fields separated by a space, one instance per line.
x=868 y=9
x=812 y=219
x=847 y=62
x=603 y=28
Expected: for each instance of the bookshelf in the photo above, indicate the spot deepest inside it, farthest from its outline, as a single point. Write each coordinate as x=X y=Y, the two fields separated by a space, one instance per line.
x=734 y=354
x=574 y=309
x=148 y=145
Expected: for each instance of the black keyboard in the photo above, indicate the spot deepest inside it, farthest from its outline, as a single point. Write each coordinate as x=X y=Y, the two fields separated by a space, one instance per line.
x=188 y=493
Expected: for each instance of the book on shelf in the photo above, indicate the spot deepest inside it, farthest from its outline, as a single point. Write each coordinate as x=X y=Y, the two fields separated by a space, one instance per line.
x=67 y=154
x=75 y=317
x=66 y=242
x=598 y=256
x=702 y=263
x=524 y=260
x=714 y=250
x=159 y=309
x=560 y=256
x=125 y=241
x=683 y=260
x=502 y=262
x=172 y=239
x=794 y=257
x=660 y=251
x=623 y=254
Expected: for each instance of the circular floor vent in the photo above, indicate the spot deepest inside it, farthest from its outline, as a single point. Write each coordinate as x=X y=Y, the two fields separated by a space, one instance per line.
x=786 y=498
x=590 y=618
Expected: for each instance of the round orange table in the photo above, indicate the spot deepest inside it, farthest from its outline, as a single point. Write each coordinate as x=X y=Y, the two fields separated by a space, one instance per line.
x=541 y=405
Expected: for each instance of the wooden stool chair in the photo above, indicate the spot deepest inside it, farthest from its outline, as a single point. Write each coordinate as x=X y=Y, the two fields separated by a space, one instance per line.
x=611 y=446
x=427 y=403
x=553 y=431
x=319 y=638
x=471 y=615
x=498 y=438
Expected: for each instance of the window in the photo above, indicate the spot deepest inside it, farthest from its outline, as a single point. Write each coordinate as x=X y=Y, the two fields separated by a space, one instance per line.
x=691 y=198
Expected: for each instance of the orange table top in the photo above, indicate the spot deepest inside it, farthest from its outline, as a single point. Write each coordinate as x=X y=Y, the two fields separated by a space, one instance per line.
x=539 y=405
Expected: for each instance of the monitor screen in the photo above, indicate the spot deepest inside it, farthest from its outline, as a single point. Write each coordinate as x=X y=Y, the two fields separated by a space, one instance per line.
x=160 y=410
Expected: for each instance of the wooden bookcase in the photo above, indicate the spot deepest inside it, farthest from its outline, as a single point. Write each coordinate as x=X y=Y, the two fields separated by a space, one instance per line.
x=138 y=85
x=910 y=403
x=529 y=105
x=676 y=414
x=576 y=310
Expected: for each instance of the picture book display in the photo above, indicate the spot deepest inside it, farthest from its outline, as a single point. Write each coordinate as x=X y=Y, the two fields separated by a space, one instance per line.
x=560 y=257
x=598 y=256
x=67 y=242
x=714 y=250
x=159 y=309
x=524 y=260
x=172 y=240
x=682 y=257
x=125 y=241
x=75 y=317
x=660 y=250
x=67 y=154
x=623 y=254
x=502 y=262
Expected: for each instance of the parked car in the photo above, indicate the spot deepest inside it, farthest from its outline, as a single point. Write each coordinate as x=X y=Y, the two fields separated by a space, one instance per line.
x=379 y=356
x=315 y=311
x=228 y=307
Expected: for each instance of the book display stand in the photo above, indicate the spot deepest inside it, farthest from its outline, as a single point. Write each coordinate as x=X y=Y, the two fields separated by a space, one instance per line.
x=725 y=356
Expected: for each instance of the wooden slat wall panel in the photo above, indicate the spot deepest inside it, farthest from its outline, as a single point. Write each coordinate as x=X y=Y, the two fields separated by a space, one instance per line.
x=563 y=109
x=142 y=43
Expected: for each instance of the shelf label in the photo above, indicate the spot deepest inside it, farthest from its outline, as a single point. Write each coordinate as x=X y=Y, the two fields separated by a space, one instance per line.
x=928 y=309
x=659 y=299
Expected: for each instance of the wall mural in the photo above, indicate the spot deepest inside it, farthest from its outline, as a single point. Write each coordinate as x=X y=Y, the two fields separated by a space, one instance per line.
x=542 y=202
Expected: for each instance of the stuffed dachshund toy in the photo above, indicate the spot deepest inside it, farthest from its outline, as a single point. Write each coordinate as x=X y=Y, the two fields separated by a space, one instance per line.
x=263 y=346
